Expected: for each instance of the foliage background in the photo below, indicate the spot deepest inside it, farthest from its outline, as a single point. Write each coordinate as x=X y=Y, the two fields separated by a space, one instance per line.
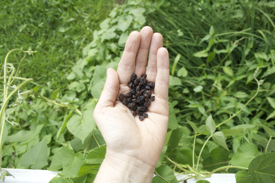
x=215 y=48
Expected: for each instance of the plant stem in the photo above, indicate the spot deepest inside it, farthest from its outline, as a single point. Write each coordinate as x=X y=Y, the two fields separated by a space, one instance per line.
x=267 y=144
x=225 y=167
x=202 y=150
x=193 y=155
x=246 y=102
x=161 y=177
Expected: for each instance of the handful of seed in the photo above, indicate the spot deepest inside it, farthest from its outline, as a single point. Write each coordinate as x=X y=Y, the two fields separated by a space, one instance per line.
x=139 y=98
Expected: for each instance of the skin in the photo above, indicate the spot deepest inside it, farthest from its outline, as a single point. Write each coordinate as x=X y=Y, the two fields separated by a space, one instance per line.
x=134 y=146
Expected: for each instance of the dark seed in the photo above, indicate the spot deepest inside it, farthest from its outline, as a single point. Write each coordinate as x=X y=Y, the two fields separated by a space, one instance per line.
x=127 y=95
x=130 y=84
x=152 y=98
x=145 y=115
x=133 y=92
x=144 y=75
x=121 y=97
x=134 y=113
x=151 y=84
x=134 y=76
x=134 y=100
x=147 y=87
x=130 y=105
x=136 y=82
x=124 y=101
x=141 y=118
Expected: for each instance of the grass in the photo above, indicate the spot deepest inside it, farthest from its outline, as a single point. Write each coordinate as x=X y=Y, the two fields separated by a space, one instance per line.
x=58 y=30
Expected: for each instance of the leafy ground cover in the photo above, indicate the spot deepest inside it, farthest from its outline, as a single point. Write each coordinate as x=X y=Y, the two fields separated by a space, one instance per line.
x=221 y=96
x=57 y=30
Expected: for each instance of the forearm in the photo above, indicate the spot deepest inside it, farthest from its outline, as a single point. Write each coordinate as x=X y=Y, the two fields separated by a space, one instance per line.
x=124 y=170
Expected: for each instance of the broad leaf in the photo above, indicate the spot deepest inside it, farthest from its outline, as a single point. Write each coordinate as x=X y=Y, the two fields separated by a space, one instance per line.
x=36 y=157
x=268 y=130
x=174 y=81
x=54 y=94
x=261 y=169
x=210 y=125
x=217 y=158
x=244 y=155
x=175 y=138
x=96 y=155
x=271 y=101
x=64 y=124
x=219 y=138
x=71 y=163
x=182 y=72
x=82 y=126
x=161 y=156
x=166 y=173
x=193 y=125
x=228 y=71
x=173 y=122
x=201 y=54
x=203 y=181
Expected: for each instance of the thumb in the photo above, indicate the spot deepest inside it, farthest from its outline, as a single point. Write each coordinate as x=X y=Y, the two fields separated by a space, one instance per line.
x=110 y=90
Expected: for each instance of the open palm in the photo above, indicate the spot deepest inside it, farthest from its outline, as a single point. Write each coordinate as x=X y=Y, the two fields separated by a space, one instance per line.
x=125 y=135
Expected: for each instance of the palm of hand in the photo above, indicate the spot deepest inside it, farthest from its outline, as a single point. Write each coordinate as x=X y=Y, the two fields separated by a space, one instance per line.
x=126 y=135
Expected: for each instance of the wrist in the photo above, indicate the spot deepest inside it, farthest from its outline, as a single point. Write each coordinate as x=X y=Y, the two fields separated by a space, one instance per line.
x=123 y=168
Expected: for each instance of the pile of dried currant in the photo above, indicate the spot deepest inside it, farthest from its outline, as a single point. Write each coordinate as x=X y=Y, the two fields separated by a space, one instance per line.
x=139 y=98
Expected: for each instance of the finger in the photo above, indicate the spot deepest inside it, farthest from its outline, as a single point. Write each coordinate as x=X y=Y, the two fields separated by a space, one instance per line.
x=142 y=55
x=110 y=90
x=126 y=66
x=156 y=43
x=162 y=78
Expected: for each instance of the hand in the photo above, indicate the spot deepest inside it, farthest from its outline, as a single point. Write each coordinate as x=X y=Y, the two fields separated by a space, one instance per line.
x=134 y=146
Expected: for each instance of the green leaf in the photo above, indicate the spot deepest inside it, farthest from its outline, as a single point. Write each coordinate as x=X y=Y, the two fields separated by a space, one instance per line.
x=124 y=22
x=88 y=169
x=173 y=122
x=82 y=126
x=182 y=72
x=184 y=156
x=203 y=130
x=64 y=124
x=272 y=115
x=228 y=71
x=165 y=172
x=193 y=125
x=161 y=156
x=105 y=24
x=211 y=31
x=211 y=56
x=219 y=138
x=244 y=155
x=175 y=64
x=36 y=157
x=268 y=130
x=174 y=81
x=271 y=101
x=198 y=89
x=210 y=125
x=54 y=94
x=81 y=179
x=217 y=158
x=230 y=132
x=261 y=169
x=71 y=163
x=56 y=163
x=60 y=179
x=96 y=156
x=202 y=181
x=201 y=54
x=241 y=94
x=123 y=38
x=25 y=136
x=175 y=138
x=240 y=175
